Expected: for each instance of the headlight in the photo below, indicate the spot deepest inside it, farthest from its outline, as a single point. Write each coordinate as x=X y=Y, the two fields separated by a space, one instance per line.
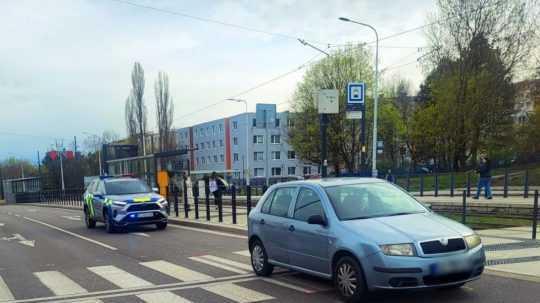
x=406 y=250
x=472 y=241
x=163 y=203
x=119 y=203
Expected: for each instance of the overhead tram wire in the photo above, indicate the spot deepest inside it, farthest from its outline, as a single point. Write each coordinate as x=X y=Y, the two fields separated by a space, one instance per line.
x=208 y=20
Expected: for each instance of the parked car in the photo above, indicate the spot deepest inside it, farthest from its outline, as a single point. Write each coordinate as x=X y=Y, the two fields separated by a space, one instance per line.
x=364 y=233
x=120 y=202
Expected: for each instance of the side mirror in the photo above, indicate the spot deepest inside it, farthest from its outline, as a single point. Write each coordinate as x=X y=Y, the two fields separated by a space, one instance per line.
x=155 y=189
x=428 y=205
x=316 y=219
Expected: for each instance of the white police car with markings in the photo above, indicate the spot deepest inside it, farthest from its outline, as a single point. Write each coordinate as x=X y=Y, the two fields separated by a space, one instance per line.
x=120 y=202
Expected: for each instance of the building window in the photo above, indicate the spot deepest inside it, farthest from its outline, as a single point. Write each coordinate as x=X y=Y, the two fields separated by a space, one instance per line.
x=222 y=158
x=276 y=171
x=235 y=157
x=235 y=124
x=196 y=132
x=258 y=172
x=196 y=146
x=277 y=122
x=203 y=160
x=291 y=171
x=213 y=129
x=291 y=155
x=307 y=170
x=258 y=139
x=258 y=156
x=220 y=142
x=290 y=123
x=197 y=161
x=221 y=128
x=235 y=140
x=214 y=144
x=275 y=139
x=254 y=122
x=276 y=155
x=215 y=158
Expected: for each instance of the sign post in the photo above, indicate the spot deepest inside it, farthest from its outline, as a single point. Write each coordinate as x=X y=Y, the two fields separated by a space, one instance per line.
x=328 y=103
x=356 y=110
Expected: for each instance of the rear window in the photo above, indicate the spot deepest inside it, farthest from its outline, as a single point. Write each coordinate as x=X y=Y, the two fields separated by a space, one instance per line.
x=126 y=187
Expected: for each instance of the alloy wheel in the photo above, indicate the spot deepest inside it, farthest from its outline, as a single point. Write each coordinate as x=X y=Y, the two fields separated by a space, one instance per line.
x=346 y=278
x=257 y=258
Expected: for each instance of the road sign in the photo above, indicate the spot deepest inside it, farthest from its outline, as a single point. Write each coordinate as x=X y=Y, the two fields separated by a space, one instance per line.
x=354 y=115
x=328 y=101
x=355 y=93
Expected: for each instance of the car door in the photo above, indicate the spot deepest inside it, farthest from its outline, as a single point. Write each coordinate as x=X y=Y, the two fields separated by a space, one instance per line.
x=275 y=221
x=308 y=243
x=98 y=199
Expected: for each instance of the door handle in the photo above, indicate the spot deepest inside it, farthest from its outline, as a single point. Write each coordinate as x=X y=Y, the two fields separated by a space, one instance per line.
x=262 y=222
x=291 y=228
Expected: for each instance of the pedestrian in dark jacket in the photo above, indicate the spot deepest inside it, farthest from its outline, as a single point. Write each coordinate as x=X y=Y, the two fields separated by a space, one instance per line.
x=217 y=187
x=484 y=170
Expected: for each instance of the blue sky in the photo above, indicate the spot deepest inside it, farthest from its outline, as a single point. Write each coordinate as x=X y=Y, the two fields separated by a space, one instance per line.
x=65 y=64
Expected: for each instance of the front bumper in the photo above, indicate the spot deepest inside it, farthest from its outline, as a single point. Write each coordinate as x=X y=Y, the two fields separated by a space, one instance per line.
x=391 y=272
x=123 y=218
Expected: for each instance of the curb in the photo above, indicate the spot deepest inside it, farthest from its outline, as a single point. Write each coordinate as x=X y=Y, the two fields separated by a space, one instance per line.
x=511 y=274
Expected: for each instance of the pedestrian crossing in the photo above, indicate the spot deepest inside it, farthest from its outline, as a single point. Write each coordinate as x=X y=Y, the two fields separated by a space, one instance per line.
x=234 y=286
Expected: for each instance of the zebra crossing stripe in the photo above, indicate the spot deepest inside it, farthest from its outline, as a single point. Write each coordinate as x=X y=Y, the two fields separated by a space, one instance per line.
x=237 y=293
x=5 y=293
x=218 y=265
x=119 y=277
x=59 y=283
x=228 y=262
x=159 y=297
x=178 y=272
x=244 y=253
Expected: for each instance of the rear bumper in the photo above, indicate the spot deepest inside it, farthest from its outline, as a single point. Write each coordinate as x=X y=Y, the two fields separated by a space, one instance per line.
x=384 y=272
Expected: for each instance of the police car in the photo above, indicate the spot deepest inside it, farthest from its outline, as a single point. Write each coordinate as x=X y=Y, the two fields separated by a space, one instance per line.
x=120 y=202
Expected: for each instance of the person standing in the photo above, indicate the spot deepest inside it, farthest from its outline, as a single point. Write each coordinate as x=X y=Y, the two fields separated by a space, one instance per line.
x=484 y=170
x=216 y=186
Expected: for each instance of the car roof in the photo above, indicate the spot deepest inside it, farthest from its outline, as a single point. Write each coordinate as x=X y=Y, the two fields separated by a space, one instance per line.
x=116 y=179
x=329 y=182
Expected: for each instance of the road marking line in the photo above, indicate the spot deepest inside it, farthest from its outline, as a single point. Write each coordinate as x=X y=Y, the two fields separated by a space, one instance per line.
x=209 y=231
x=218 y=265
x=73 y=218
x=119 y=277
x=164 y=296
x=141 y=234
x=59 y=283
x=5 y=293
x=244 y=253
x=287 y=285
x=71 y=233
x=89 y=301
x=228 y=262
x=237 y=293
x=2 y=224
x=178 y=272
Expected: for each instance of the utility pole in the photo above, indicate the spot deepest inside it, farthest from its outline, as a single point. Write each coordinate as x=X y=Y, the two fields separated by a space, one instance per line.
x=75 y=146
x=375 y=94
x=61 y=165
x=246 y=171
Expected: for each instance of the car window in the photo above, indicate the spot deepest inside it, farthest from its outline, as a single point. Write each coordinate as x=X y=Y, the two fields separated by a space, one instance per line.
x=265 y=208
x=307 y=204
x=126 y=187
x=92 y=187
x=100 y=189
x=360 y=201
x=281 y=201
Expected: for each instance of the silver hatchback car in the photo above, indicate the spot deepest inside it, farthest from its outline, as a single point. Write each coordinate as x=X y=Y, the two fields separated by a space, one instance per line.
x=365 y=234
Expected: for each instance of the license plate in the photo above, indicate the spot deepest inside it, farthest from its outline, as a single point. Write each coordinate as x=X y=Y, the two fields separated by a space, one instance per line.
x=145 y=215
x=449 y=266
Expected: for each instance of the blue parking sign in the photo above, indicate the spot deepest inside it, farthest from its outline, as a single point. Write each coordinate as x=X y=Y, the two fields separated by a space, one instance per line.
x=355 y=93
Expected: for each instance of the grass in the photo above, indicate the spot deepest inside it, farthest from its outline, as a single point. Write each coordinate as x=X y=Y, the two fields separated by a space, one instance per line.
x=485 y=222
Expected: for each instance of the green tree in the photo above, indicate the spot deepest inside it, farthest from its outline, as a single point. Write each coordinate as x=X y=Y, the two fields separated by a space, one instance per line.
x=346 y=65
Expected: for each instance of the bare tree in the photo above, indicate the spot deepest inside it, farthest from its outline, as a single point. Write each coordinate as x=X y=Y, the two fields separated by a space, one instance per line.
x=139 y=108
x=131 y=119
x=165 y=111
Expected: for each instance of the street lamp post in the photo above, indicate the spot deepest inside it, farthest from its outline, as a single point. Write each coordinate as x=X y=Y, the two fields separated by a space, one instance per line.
x=246 y=171
x=375 y=92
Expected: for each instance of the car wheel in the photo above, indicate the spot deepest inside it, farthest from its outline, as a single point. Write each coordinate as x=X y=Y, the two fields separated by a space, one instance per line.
x=349 y=279
x=108 y=223
x=161 y=225
x=259 y=260
x=90 y=223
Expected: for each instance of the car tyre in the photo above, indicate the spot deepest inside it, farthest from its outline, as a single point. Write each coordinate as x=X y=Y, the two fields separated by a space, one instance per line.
x=90 y=223
x=259 y=259
x=161 y=225
x=349 y=279
x=109 y=227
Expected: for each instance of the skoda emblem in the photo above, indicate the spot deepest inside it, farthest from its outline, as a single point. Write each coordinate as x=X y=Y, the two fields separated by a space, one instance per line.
x=443 y=241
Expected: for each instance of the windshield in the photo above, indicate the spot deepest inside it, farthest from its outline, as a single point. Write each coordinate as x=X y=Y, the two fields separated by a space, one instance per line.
x=361 y=201
x=126 y=187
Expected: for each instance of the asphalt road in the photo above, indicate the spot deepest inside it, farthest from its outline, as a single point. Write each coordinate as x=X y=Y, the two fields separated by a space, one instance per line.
x=47 y=255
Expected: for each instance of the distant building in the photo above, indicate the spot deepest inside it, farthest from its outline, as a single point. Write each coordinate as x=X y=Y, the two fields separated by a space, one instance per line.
x=527 y=97
x=220 y=145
